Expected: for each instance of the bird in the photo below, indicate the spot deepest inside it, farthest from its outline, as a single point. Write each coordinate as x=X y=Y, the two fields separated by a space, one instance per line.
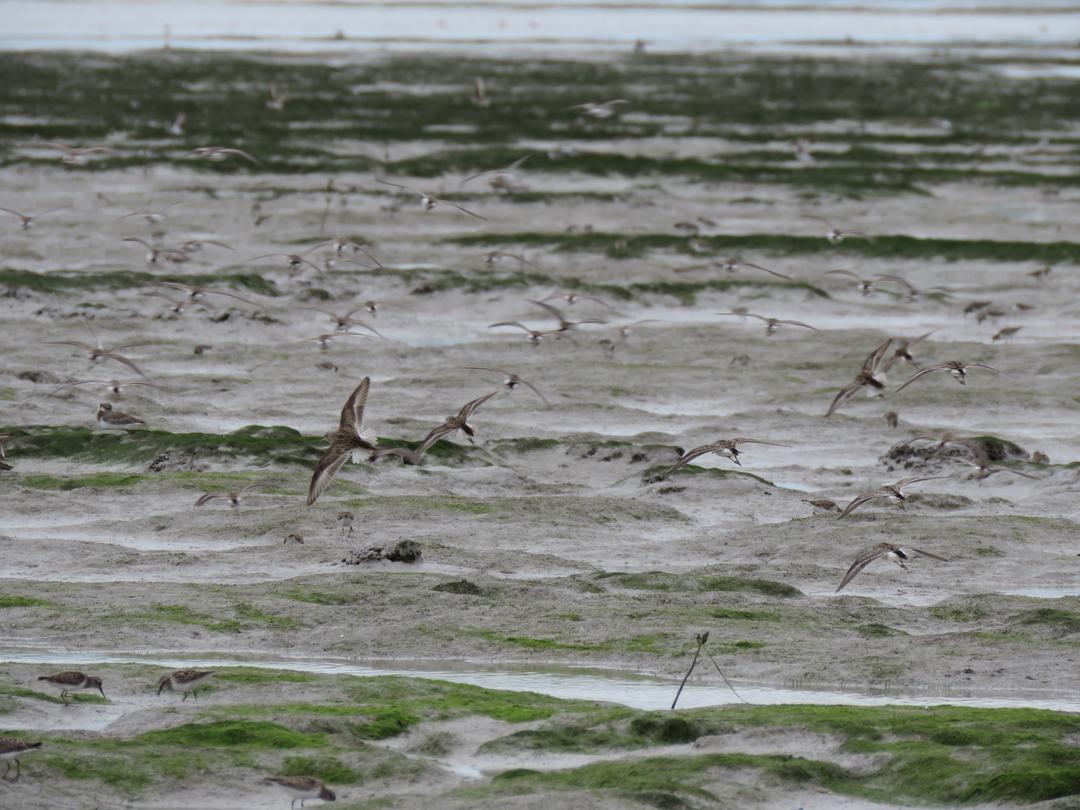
x=302 y=788
x=156 y=252
x=493 y=255
x=891 y=551
x=233 y=496
x=100 y=352
x=564 y=325
x=771 y=324
x=894 y=492
x=912 y=293
x=177 y=126
x=324 y=340
x=296 y=261
x=834 y=234
x=480 y=97
x=503 y=178
x=512 y=381
x=10 y=751
x=902 y=351
x=534 y=335
x=27 y=220
x=572 y=298
x=185 y=680
x=1007 y=332
x=602 y=109
x=277 y=100
x=178 y=307
x=731 y=265
x=76 y=156
x=957 y=368
x=345 y=521
x=69 y=682
x=152 y=217
x=217 y=154
x=343 y=322
x=109 y=418
x=295 y=537
x=115 y=387
x=459 y=421
x=823 y=504
x=195 y=245
x=865 y=285
x=725 y=448
x=407 y=456
x=430 y=200
x=346 y=441
x=196 y=292
x=870 y=376
x=3 y=440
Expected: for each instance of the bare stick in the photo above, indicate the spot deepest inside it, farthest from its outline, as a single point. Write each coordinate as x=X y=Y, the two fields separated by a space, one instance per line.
x=701 y=639
x=722 y=675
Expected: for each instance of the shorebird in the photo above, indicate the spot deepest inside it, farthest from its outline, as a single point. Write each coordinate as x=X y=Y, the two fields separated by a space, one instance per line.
x=865 y=285
x=100 y=352
x=912 y=293
x=624 y=330
x=156 y=252
x=603 y=109
x=343 y=322
x=891 y=551
x=69 y=682
x=725 y=448
x=217 y=154
x=108 y=418
x=871 y=376
x=958 y=369
x=296 y=261
x=195 y=292
x=834 y=234
x=902 y=351
x=178 y=307
x=492 y=255
x=345 y=522
x=3 y=440
x=822 y=504
x=76 y=156
x=10 y=751
x=1007 y=332
x=176 y=128
x=232 y=497
x=340 y=244
x=302 y=788
x=892 y=419
x=185 y=680
x=459 y=421
x=1042 y=273
x=27 y=220
x=534 y=335
x=324 y=340
x=429 y=201
x=975 y=306
x=152 y=217
x=771 y=324
x=480 y=97
x=295 y=537
x=572 y=298
x=345 y=442
x=115 y=387
x=894 y=492
x=277 y=100
x=504 y=178
x=731 y=265
x=407 y=456
x=512 y=380
x=564 y=325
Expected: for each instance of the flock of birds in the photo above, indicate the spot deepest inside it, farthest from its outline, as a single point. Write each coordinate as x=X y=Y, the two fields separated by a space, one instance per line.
x=349 y=441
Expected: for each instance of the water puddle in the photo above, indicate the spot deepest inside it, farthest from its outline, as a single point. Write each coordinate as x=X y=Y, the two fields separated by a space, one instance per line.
x=638 y=692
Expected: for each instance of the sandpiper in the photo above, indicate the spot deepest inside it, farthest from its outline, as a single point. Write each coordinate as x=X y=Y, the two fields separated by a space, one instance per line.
x=771 y=324
x=114 y=387
x=459 y=421
x=185 y=680
x=512 y=380
x=154 y=253
x=822 y=504
x=1007 y=332
x=295 y=537
x=10 y=751
x=902 y=351
x=302 y=788
x=894 y=492
x=177 y=307
x=572 y=298
x=834 y=234
x=494 y=255
x=277 y=100
x=725 y=448
x=601 y=109
x=152 y=217
x=343 y=322
x=480 y=97
x=503 y=178
x=957 y=368
x=76 y=156
x=217 y=154
x=3 y=439
x=865 y=285
x=27 y=220
x=407 y=456
x=345 y=522
x=100 y=352
x=912 y=293
x=195 y=292
x=109 y=418
x=870 y=376
x=345 y=442
x=891 y=551
x=564 y=324
x=326 y=339
x=232 y=497
x=429 y=201
x=296 y=261
x=534 y=335
x=69 y=682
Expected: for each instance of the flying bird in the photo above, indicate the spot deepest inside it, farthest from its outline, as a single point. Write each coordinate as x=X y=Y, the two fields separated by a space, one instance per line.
x=894 y=492
x=725 y=448
x=891 y=551
x=429 y=201
x=459 y=421
x=871 y=376
x=957 y=368
x=345 y=442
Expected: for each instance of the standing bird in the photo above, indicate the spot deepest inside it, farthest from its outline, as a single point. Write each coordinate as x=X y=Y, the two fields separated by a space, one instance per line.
x=894 y=492
x=890 y=551
x=459 y=421
x=345 y=521
x=69 y=682
x=10 y=751
x=725 y=448
x=109 y=418
x=185 y=680
x=302 y=788
x=957 y=368
x=346 y=441
x=871 y=376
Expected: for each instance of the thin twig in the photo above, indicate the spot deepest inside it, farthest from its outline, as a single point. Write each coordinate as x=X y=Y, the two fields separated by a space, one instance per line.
x=701 y=639
x=722 y=675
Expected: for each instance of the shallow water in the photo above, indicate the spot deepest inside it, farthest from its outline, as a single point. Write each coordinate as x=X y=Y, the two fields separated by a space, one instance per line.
x=637 y=692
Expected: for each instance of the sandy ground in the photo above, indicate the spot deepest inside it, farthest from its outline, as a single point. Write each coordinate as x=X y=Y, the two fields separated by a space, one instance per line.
x=549 y=533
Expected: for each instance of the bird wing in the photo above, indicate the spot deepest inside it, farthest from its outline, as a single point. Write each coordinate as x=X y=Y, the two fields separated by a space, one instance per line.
x=535 y=390
x=991 y=368
x=462 y=208
x=873 y=360
x=14 y=213
x=862 y=562
x=842 y=273
x=206 y=497
x=927 y=554
x=511 y=323
x=432 y=437
x=819 y=219
x=231 y=151
x=843 y=396
x=77 y=343
x=140 y=241
x=800 y=323
x=767 y=270
x=903 y=482
x=859 y=500
x=398 y=185
x=922 y=373
x=121 y=359
x=689 y=456
x=469 y=408
x=352 y=414
x=325 y=469
x=208 y=291
x=553 y=310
